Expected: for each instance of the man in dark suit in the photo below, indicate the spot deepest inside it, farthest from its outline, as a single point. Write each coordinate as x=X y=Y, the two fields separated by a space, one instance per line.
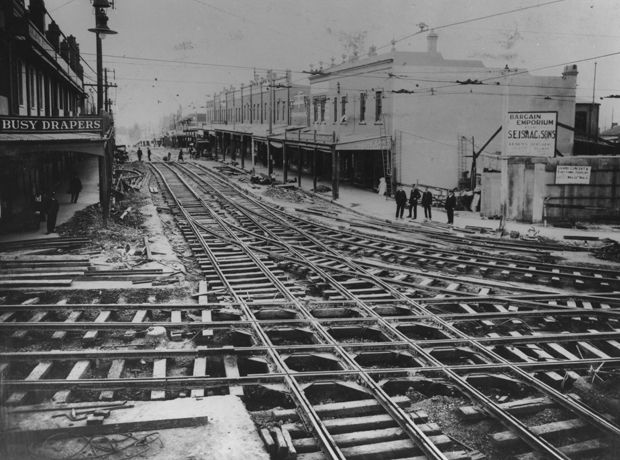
x=427 y=202
x=414 y=196
x=450 y=205
x=401 y=202
x=52 y=213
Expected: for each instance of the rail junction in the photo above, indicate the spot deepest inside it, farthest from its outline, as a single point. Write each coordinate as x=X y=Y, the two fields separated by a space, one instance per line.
x=297 y=306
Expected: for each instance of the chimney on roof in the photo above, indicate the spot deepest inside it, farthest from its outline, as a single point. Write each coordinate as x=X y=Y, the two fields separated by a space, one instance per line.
x=64 y=49
x=37 y=14
x=74 y=51
x=570 y=70
x=53 y=35
x=431 y=42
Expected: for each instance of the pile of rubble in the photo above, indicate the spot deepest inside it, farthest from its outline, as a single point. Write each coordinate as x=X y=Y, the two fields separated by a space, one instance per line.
x=289 y=193
x=609 y=251
x=129 y=180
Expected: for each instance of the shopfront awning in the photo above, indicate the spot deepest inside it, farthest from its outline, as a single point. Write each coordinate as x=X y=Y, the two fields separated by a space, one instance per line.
x=15 y=144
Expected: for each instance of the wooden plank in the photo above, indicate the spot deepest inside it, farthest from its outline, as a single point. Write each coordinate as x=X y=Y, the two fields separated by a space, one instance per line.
x=159 y=371
x=206 y=317
x=342 y=409
x=144 y=416
x=281 y=446
x=200 y=370
x=391 y=449
x=268 y=441
x=519 y=407
x=37 y=317
x=39 y=372
x=175 y=316
x=36 y=283
x=292 y=452
x=73 y=317
x=232 y=371
x=138 y=317
x=548 y=431
x=115 y=372
x=591 y=351
x=561 y=351
x=467 y=309
x=578 y=450
x=79 y=369
x=91 y=336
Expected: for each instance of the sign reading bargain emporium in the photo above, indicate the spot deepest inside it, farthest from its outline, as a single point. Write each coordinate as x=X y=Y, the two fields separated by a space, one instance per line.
x=530 y=133
x=34 y=125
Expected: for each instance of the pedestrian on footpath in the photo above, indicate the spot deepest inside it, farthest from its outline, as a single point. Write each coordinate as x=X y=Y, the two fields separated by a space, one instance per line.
x=139 y=152
x=75 y=187
x=401 y=201
x=450 y=205
x=427 y=202
x=180 y=155
x=414 y=196
x=148 y=154
x=382 y=187
x=52 y=213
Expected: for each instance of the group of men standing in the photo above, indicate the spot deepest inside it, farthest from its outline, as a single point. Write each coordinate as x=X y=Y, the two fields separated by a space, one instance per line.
x=426 y=198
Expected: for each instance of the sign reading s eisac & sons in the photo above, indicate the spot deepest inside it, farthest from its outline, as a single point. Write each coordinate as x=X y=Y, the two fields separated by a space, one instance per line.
x=39 y=125
x=531 y=133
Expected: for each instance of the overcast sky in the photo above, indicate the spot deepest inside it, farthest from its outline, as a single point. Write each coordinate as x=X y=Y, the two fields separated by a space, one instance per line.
x=179 y=52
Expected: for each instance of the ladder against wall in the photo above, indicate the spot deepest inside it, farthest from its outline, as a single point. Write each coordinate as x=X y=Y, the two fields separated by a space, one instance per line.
x=397 y=156
x=386 y=155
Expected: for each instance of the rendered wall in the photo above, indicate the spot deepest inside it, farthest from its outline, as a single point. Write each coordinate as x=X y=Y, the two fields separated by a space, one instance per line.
x=432 y=123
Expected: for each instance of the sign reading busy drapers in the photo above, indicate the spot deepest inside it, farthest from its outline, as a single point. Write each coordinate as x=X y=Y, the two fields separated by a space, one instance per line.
x=567 y=174
x=38 y=125
x=530 y=133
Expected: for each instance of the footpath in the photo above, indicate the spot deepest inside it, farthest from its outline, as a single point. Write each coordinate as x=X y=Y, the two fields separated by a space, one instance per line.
x=356 y=200
x=370 y=204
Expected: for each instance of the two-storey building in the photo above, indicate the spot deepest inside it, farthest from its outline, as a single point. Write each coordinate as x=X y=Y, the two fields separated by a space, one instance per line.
x=42 y=125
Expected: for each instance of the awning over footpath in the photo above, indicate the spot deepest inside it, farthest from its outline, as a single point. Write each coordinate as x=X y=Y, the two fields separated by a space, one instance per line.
x=14 y=144
x=256 y=131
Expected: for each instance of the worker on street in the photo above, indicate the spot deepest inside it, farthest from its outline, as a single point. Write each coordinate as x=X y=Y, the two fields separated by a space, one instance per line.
x=52 y=209
x=139 y=153
x=148 y=153
x=450 y=205
x=75 y=187
x=414 y=196
x=401 y=201
x=427 y=202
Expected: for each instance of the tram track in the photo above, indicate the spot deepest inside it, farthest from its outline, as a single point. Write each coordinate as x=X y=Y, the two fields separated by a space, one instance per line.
x=299 y=312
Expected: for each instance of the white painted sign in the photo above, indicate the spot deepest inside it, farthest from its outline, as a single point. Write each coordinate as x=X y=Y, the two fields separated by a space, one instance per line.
x=572 y=174
x=381 y=143
x=530 y=133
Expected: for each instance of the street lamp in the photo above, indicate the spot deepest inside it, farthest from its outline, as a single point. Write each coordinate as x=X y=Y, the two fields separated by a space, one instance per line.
x=105 y=166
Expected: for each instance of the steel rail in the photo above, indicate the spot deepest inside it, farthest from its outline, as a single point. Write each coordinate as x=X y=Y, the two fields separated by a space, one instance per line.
x=328 y=445
x=200 y=239
x=396 y=412
x=522 y=431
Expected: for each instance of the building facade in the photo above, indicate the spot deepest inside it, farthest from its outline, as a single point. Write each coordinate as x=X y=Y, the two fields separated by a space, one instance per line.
x=41 y=78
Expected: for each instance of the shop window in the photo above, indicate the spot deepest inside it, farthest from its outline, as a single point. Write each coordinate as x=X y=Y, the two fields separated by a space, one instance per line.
x=343 y=111
x=323 y=101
